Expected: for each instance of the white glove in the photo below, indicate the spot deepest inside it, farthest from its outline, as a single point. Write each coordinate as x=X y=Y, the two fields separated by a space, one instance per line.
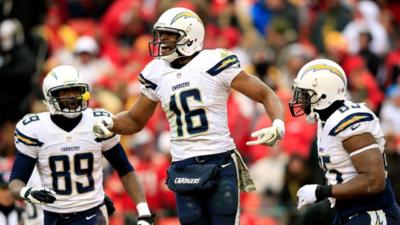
x=38 y=195
x=101 y=127
x=269 y=136
x=306 y=195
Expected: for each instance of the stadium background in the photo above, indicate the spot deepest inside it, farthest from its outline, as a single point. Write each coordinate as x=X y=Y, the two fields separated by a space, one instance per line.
x=107 y=41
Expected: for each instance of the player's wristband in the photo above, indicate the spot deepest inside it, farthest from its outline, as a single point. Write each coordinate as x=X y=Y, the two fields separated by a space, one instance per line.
x=143 y=209
x=24 y=192
x=322 y=192
x=280 y=125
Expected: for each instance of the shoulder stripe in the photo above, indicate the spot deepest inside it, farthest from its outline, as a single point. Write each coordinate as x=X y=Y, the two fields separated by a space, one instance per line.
x=147 y=83
x=20 y=137
x=104 y=139
x=349 y=121
x=223 y=64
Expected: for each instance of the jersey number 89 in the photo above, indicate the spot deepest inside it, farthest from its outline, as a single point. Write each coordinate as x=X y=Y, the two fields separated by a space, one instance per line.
x=80 y=168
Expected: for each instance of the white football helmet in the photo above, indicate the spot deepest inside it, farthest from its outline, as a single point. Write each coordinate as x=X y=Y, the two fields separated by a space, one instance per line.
x=187 y=25
x=62 y=78
x=318 y=84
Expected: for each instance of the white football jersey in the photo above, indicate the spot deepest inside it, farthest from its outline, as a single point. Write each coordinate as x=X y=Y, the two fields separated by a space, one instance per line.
x=68 y=162
x=194 y=99
x=349 y=120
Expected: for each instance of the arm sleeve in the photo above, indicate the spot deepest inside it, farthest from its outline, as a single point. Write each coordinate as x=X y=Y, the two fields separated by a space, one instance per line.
x=118 y=160
x=226 y=68
x=147 y=85
x=25 y=140
x=354 y=124
x=23 y=167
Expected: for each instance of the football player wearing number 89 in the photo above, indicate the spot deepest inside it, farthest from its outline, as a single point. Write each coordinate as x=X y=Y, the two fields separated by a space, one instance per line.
x=193 y=85
x=350 y=148
x=69 y=157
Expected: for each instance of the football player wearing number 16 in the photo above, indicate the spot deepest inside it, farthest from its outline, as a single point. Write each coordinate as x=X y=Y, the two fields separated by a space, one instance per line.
x=69 y=157
x=192 y=84
x=350 y=148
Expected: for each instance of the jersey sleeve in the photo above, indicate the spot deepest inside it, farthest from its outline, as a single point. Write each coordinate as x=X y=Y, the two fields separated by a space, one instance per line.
x=226 y=68
x=147 y=86
x=106 y=143
x=355 y=123
x=25 y=138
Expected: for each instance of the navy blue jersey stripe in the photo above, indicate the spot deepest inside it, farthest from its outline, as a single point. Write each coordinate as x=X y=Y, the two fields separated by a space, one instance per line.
x=20 y=137
x=147 y=83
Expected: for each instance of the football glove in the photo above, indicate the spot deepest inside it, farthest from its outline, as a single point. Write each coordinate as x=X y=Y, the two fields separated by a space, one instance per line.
x=146 y=220
x=306 y=195
x=38 y=195
x=101 y=127
x=269 y=136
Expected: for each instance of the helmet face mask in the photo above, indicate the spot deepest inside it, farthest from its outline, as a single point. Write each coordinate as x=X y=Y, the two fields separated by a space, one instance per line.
x=65 y=92
x=302 y=101
x=68 y=99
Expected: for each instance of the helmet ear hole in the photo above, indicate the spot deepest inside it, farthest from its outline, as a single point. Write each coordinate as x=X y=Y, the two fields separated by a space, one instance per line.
x=323 y=96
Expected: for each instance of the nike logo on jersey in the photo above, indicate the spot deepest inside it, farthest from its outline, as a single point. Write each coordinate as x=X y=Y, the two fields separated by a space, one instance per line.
x=355 y=126
x=90 y=217
x=225 y=165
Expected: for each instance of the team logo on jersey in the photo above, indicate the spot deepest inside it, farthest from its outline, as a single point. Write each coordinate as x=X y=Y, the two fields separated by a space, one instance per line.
x=223 y=64
x=325 y=67
x=185 y=15
x=350 y=121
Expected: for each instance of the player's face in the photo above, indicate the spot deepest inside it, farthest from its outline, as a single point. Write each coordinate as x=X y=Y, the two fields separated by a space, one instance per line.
x=69 y=98
x=164 y=43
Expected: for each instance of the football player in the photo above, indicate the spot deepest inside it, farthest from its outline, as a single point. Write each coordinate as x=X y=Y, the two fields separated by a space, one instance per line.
x=69 y=157
x=350 y=148
x=192 y=84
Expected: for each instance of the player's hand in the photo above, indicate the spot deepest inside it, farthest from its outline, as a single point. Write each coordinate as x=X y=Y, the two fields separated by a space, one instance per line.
x=38 y=195
x=145 y=220
x=109 y=205
x=101 y=127
x=269 y=136
x=306 y=195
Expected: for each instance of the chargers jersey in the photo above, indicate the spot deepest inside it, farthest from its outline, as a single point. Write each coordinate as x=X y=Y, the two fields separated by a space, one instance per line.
x=349 y=120
x=194 y=100
x=68 y=162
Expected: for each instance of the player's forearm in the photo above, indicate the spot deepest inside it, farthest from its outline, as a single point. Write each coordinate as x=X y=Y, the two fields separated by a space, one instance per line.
x=133 y=187
x=124 y=124
x=272 y=104
x=15 y=187
x=361 y=185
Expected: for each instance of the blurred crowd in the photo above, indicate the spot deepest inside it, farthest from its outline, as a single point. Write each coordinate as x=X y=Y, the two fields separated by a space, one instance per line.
x=107 y=40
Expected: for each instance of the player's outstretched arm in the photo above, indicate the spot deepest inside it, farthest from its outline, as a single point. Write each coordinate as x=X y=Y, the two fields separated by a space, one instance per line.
x=256 y=90
x=126 y=122
x=367 y=160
